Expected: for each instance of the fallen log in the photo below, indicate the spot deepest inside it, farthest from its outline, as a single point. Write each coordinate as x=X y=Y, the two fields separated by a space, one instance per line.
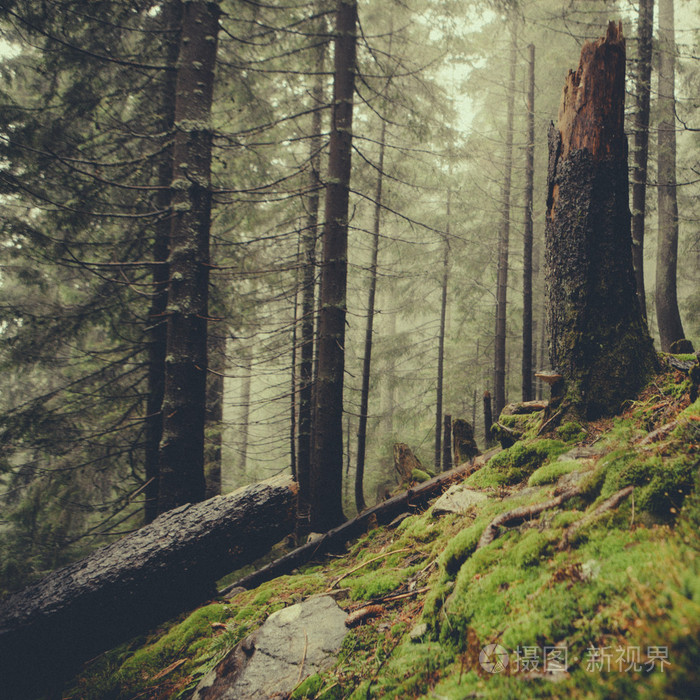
x=383 y=513
x=171 y=565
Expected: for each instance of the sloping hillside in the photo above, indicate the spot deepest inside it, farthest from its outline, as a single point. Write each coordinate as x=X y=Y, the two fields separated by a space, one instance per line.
x=592 y=588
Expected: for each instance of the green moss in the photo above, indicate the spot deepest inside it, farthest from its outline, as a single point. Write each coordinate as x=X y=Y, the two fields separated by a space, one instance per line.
x=571 y=432
x=516 y=463
x=550 y=473
x=534 y=546
x=308 y=688
x=662 y=482
x=460 y=548
x=375 y=584
x=420 y=475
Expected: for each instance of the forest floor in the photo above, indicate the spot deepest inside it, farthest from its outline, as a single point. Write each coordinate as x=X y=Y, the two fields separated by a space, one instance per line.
x=597 y=596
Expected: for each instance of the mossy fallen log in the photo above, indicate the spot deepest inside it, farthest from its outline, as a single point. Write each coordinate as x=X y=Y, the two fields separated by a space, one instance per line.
x=48 y=629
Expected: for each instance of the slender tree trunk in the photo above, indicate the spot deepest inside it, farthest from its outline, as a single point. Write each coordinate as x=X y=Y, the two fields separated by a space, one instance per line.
x=447 y=443
x=389 y=390
x=327 y=463
x=542 y=355
x=156 y=332
x=293 y=414
x=369 y=329
x=528 y=235
x=671 y=332
x=215 y=413
x=645 y=27
x=598 y=338
x=441 y=339
x=184 y=398
x=306 y=366
x=245 y=414
x=488 y=419
x=499 y=379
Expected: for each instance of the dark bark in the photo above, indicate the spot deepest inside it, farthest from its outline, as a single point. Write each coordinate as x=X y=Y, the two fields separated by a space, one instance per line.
x=405 y=462
x=499 y=367
x=156 y=332
x=441 y=340
x=488 y=419
x=413 y=500
x=447 y=443
x=141 y=580
x=464 y=444
x=293 y=411
x=671 y=334
x=593 y=315
x=181 y=478
x=527 y=393
x=369 y=330
x=306 y=365
x=327 y=461
x=214 y=415
x=645 y=26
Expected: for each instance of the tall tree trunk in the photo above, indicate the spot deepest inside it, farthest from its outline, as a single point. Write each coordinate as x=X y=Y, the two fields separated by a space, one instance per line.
x=369 y=330
x=527 y=235
x=488 y=419
x=645 y=28
x=668 y=316
x=389 y=370
x=306 y=365
x=215 y=412
x=441 y=338
x=293 y=410
x=499 y=369
x=598 y=338
x=542 y=355
x=156 y=332
x=246 y=380
x=447 y=443
x=184 y=398
x=327 y=462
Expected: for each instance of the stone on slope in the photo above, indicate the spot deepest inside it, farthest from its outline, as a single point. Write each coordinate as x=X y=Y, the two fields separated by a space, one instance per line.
x=458 y=499
x=291 y=645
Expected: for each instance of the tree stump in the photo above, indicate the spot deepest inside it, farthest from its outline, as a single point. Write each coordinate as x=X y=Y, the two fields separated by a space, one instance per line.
x=464 y=445
x=405 y=461
x=598 y=338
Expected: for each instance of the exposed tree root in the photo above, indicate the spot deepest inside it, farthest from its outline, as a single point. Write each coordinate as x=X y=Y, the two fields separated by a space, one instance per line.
x=605 y=506
x=520 y=515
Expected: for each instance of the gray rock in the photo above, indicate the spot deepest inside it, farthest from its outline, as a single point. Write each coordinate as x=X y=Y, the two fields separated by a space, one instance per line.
x=292 y=644
x=458 y=499
x=581 y=452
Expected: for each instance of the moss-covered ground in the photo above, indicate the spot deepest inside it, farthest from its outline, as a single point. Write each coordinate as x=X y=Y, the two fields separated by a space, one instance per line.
x=612 y=610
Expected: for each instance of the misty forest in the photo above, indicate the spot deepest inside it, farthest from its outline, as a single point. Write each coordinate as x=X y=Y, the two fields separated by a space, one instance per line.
x=275 y=275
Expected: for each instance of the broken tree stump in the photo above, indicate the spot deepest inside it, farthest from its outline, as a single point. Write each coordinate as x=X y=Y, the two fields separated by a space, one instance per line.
x=594 y=319
x=463 y=443
x=171 y=565
x=405 y=461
